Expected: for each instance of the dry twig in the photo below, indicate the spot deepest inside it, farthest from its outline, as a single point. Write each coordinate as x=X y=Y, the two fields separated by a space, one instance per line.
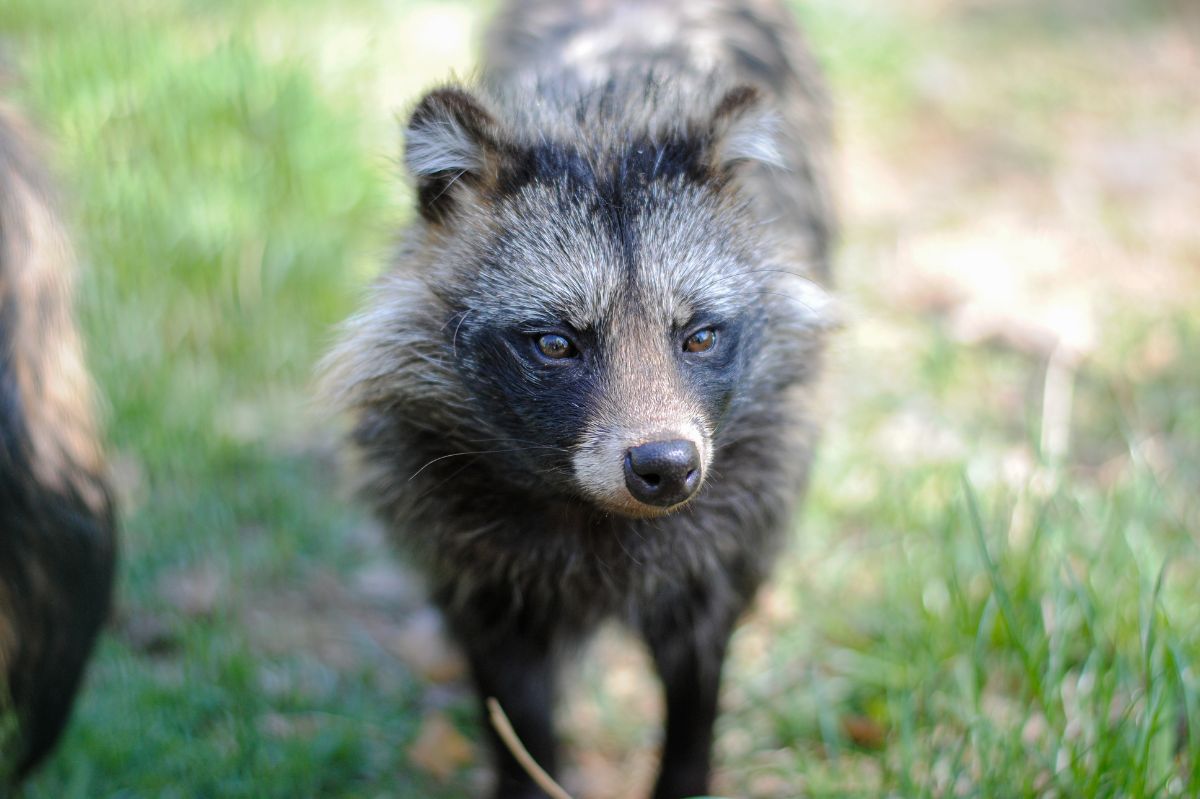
x=507 y=734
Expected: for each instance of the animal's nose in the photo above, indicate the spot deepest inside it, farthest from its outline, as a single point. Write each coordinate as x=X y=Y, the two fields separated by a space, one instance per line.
x=663 y=473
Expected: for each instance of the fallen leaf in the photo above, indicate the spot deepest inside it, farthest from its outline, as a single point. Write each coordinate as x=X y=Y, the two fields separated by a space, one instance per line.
x=864 y=731
x=440 y=749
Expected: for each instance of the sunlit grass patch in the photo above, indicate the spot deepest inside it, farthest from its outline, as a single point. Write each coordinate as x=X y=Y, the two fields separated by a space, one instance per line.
x=1031 y=636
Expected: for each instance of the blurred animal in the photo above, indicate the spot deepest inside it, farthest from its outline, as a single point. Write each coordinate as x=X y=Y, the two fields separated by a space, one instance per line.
x=583 y=389
x=56 y=517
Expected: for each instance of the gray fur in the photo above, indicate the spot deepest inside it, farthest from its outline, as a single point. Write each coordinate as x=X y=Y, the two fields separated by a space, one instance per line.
x=526 y=532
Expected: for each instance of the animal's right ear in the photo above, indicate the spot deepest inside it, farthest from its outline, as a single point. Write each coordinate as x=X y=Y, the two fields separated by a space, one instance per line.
x=450 y=143
x=745 y=128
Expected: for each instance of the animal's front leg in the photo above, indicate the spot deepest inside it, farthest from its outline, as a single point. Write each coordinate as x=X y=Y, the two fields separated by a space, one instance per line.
x=688 y=637
x=514 y=665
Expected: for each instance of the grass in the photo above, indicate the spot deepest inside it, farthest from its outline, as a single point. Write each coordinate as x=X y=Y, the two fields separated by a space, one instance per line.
x=966 y=611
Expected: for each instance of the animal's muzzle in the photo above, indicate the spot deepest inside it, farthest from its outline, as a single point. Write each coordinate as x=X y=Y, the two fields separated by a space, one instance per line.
x=663 y=473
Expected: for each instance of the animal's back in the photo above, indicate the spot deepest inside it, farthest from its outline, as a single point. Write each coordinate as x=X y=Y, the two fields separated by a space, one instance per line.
x=690 y=45
x=56 y=519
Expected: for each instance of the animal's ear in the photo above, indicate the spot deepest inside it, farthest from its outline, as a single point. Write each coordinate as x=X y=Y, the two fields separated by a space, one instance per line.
x=745 y=128
x=451 y=140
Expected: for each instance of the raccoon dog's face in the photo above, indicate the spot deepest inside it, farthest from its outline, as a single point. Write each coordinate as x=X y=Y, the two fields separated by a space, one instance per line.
x=603 y=295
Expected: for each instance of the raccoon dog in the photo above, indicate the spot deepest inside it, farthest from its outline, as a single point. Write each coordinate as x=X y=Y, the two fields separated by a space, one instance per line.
x=56 y=519
x=581 y=391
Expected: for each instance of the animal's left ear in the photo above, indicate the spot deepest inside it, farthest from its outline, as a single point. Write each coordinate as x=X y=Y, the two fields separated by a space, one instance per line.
x=745 y=128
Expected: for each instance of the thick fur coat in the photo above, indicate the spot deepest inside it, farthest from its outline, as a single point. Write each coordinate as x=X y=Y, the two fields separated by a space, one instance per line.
x=623 y=242
x=56 y=517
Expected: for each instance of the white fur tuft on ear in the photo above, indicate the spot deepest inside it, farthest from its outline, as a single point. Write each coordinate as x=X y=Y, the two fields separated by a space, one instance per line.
x=449 y=135
x=439 y=146
x=754 y=136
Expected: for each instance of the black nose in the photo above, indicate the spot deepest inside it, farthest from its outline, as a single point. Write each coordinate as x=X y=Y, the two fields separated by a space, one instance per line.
x=663 y=473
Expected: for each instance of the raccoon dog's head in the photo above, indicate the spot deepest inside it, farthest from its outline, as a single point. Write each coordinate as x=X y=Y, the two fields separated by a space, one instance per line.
x=603 y=288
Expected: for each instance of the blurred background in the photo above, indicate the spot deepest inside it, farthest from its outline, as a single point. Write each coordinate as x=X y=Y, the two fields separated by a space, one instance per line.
x=993 y=588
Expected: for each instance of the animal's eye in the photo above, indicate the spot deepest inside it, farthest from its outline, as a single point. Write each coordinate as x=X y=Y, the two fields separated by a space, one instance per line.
x=552 y=345
x=701 y=340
